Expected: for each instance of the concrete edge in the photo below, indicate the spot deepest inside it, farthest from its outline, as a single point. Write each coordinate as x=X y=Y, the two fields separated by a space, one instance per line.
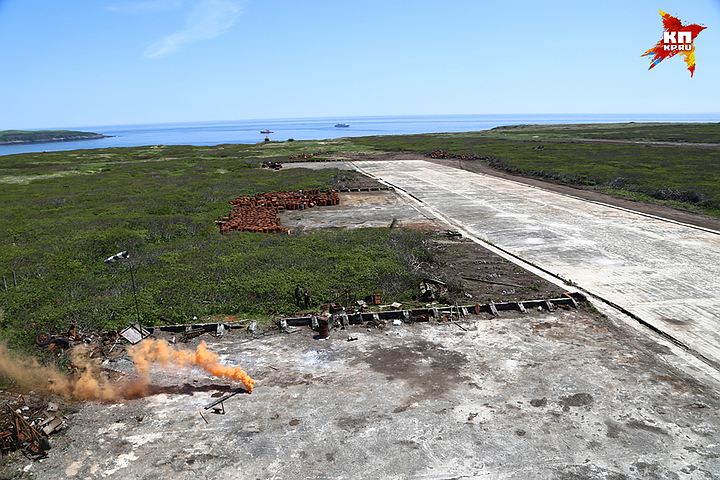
x=628 y=210
x=695 y=362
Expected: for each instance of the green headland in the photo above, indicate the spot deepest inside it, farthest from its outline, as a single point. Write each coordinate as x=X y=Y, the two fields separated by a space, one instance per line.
x=42 y=136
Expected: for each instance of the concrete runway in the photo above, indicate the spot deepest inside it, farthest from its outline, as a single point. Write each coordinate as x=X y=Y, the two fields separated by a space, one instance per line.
x=665 y=273
x=543 y=396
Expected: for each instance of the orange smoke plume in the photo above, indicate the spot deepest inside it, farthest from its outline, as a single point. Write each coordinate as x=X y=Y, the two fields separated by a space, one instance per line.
x=151 y=351
x=91 y=383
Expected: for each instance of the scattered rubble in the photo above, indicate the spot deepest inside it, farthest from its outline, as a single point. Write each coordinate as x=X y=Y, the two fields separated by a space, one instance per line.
x=272 y=165
x=259 y=213
x=431 y=290
x=445 y=313
x=26 y=424
x=100 y=344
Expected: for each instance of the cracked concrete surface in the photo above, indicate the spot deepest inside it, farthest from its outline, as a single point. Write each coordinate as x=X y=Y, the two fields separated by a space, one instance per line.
x=666 y=273
x=564 y=395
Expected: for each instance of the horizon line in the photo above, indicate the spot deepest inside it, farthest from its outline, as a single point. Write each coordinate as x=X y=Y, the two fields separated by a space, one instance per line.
x=339 y=117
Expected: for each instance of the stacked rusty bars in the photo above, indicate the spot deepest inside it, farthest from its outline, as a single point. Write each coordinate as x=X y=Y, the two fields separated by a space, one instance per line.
x=301 y=156
x=442 y=154
x=24 y=426
x=259 y=213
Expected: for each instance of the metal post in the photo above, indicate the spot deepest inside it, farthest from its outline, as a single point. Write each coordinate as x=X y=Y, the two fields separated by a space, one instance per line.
x=14 y=279
x=137 y=310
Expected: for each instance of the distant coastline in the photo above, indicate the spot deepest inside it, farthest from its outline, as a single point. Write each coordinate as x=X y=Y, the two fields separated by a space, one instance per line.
x=248 y=131
x=15 y=137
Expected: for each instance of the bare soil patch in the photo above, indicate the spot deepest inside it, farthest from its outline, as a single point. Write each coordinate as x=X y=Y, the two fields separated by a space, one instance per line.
x=468 y=268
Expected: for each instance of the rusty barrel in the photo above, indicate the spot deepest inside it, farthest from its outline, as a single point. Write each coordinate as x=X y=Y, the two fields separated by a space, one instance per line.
x=324 y=328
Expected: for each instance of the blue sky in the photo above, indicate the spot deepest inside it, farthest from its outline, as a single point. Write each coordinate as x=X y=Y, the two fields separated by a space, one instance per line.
x=108 y=62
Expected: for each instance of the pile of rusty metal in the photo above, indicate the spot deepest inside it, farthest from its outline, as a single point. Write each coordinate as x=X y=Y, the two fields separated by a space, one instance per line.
x=260 y=212
x=443 y=154
x=99 y=344
x=52 y=342
x=26 y=425
x=439 y=154
x=301 y=156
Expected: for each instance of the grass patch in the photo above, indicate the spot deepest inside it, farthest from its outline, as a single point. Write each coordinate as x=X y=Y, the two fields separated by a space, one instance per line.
x=685 y=177
x=639 y=132
x=161 y=204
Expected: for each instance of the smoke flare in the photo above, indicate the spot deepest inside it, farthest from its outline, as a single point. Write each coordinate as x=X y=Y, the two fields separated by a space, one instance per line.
x=89 y=382
x=151 y=351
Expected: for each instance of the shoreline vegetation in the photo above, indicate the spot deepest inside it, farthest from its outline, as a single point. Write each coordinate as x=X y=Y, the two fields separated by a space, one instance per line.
x=64 y=212
x=14 y=137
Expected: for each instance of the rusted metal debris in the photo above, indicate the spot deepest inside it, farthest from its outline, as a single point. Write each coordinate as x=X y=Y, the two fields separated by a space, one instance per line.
x=52 y=342
x=259 y=213
x=26 y=428
x=381 y=188
x=374 y=299
x=378 y=319
x=443 y=154
x=100 y=343
x=225 y=397
x=301 y=156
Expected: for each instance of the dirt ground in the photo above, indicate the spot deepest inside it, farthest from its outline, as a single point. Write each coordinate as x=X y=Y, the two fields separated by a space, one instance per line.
x=346 y=178
x=465 y=266
x=563 y=395
x=468 y=268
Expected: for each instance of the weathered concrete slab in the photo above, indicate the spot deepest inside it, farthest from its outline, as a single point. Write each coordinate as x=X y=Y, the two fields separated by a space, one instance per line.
x=537 y=396
x=360 y=209
x=666 y=273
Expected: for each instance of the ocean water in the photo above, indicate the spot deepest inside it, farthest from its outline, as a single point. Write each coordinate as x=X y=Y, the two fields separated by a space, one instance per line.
x=248 y=131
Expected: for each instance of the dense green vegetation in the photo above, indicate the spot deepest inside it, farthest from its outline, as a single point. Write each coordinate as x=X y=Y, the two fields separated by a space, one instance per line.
x=37 y=136
x=71 y=210
x=64 y=212
x=652 y=132
x=686 y=177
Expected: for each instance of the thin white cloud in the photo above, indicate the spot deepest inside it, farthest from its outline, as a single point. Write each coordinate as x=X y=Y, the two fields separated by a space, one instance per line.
x=146 y=6
x=208 y=19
